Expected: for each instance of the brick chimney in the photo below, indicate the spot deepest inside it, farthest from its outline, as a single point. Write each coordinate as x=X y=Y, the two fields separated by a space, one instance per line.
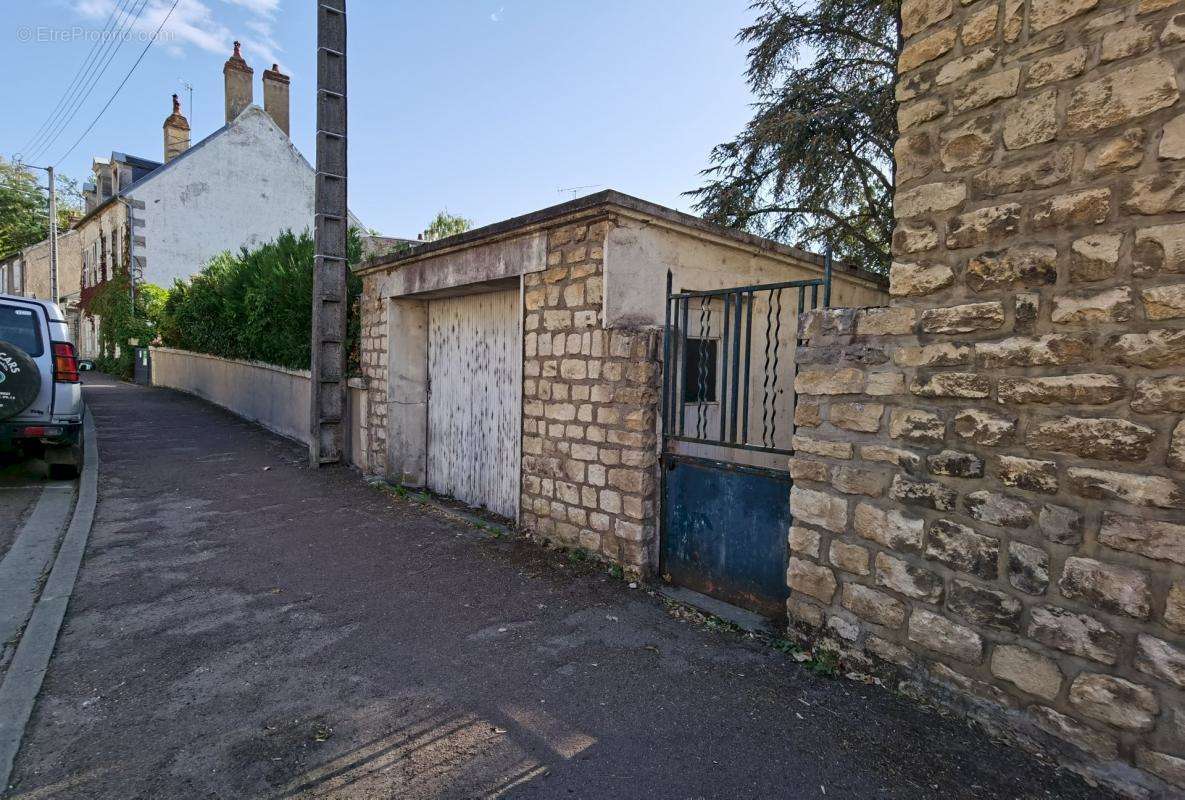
x=239 y=79
x=176 y=132
x=275 y=96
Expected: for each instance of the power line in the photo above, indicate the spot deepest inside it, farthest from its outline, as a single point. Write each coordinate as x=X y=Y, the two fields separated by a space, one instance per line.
x=113 y=49
x=111 y=35
x=104 y=37
x=122 y=83
x=91 y=81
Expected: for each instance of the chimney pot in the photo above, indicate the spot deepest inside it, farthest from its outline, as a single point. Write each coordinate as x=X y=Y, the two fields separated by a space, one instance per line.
x=176 y=132
x=238 y=78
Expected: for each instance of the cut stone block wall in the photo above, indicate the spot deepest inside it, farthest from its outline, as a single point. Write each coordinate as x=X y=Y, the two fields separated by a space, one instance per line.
x=990 y=473
x=589 y=408
x=374 y=360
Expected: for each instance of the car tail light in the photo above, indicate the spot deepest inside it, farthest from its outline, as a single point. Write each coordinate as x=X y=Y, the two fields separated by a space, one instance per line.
x=65 y=363
x=38 y=432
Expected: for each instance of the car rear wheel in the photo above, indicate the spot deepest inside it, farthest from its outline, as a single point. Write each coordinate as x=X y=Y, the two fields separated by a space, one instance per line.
x=20 y=380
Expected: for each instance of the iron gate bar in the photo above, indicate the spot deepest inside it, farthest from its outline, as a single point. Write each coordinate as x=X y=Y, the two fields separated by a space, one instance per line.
x=748 y=356
x=721 y=391
x=726 y=466
x=769 y=341
x=701 y=395
x=666 y=352
x=762 y=287
x=752 y=448
x=732 y=389
x=773 y=411
x=679 y=365
x=736 y=368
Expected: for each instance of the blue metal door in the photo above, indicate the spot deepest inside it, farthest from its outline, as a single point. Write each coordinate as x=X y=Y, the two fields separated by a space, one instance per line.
x=725 y=529
x=728 y=426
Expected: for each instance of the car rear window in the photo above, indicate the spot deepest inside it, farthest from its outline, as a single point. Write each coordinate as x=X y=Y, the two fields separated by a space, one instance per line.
x=19 y=326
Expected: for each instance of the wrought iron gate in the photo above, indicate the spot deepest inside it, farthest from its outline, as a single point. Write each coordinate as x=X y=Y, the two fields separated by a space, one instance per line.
x=728 y=425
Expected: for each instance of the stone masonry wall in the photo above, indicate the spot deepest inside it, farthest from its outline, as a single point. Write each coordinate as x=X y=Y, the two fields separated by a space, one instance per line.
x=990 y=473
x=589 y=409
x=590 y=402
x=373 y=358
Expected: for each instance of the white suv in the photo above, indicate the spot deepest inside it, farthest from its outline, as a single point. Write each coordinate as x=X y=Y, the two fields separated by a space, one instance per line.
x=40 y=394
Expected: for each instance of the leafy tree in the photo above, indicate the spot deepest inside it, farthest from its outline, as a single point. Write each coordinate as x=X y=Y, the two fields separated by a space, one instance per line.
x=815 y=163
x=445 y=224
x=24 y=207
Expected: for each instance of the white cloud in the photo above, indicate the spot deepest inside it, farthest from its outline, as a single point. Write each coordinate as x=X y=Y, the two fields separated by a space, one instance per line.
x=260 y=7
x=497 y=15
x=194 y=23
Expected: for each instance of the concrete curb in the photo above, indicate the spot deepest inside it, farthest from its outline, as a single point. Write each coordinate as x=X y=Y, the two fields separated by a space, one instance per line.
x=22 y=683
x=31 y=555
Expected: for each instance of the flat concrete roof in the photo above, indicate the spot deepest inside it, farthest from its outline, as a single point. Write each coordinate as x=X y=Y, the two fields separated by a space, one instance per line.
x=607 y=199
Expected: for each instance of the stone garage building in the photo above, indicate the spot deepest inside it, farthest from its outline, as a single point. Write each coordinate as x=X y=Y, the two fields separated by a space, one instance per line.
x=517 y=366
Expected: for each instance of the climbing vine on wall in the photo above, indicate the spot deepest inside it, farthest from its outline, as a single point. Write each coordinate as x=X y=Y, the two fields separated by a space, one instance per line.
x=125 y=318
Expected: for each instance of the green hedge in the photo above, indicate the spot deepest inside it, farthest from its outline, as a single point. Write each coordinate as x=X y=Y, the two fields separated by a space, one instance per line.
x=255 y=306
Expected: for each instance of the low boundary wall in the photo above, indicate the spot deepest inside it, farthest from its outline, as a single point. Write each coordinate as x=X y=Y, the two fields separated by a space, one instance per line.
x=275 y=397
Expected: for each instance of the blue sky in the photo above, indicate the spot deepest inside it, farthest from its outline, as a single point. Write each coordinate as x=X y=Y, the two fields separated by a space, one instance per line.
x=484 y=107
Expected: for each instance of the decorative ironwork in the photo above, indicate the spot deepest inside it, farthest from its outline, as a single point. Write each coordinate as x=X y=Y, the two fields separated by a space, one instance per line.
x=701 y=395
x=722 y=365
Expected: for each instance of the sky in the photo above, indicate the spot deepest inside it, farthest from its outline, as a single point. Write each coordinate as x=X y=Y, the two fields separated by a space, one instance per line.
x=486 y=108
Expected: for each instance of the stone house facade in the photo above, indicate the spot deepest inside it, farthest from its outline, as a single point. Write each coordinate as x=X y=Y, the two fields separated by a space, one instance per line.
x=241 y=186
x=999 y=509
x=26 y=272
x=12 y=274
x=106 y=245
x=35 y=268
x=591 y=278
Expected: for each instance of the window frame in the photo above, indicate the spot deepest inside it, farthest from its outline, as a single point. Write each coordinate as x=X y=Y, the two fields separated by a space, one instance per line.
x=692 y=345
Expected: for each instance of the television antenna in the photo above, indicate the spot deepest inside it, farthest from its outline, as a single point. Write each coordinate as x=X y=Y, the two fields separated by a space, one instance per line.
x=188 y=88
x=576 y=190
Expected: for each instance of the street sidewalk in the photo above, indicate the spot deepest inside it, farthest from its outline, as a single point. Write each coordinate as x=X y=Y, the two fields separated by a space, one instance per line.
x=245 y=627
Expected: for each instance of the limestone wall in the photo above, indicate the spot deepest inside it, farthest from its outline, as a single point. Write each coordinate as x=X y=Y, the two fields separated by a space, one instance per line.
x=990 y=473
x=589 y=408
x=374 y=362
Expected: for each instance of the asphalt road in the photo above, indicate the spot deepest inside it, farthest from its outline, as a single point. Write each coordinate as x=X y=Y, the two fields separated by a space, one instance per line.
x=244 y=627
x=21 y=482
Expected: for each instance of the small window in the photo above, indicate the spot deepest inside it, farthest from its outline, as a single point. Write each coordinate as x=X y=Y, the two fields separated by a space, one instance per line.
x=20 y=327
x=699 y=371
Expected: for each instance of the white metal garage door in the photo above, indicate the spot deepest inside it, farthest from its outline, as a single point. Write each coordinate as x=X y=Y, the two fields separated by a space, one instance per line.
x=475 y=399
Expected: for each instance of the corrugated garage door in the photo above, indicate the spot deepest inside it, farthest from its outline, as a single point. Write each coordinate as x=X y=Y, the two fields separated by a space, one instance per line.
x=475 y=399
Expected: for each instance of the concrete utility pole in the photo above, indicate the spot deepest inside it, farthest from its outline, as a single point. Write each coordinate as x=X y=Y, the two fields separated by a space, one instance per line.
x=329 y=436
x=53 y=236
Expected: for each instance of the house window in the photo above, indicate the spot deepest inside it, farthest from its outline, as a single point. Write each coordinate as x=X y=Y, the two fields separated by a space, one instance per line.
x=699 y=370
